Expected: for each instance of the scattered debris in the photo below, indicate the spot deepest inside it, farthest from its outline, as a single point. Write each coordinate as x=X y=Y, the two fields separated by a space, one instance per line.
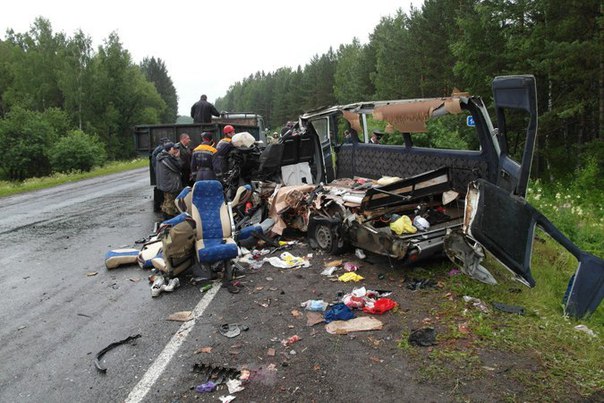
x=315 y=305
x=206 y=350
x=290 y=340
x=339 y=312
x=312 y=318
x=361 y=324
x=92 y=273
x=420 y=284
x=84 y=315
x=296 y=314
x=227 y=399
x=271 y=352
x=21 y=327
x=379 y=307
x=206 y=287
x=463 y=328
x=231 y=330
x=350 y=276
x=508 y=308
x=360 y=253
x=334 y=263
x=287 y=261
x=217 y=374
x=328 y=271
x=585 y=329
x=477 y=303
x=100 y=354
x=182 y=316
x=349 y=266
x=423 y=337
x=207 y=387
x=234 y=385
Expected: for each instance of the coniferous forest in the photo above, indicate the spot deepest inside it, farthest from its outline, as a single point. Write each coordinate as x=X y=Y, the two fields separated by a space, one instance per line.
x=53 y=85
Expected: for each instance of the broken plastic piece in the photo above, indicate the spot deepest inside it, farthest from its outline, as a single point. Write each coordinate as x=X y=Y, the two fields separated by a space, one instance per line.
x=467 y=257
x=508 y=308
x=99 y=355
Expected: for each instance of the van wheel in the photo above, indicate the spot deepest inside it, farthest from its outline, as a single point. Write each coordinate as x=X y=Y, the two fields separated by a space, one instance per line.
x=327 y=238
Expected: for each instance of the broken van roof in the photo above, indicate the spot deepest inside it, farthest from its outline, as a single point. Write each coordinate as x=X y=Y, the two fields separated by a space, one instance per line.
x=406 y=115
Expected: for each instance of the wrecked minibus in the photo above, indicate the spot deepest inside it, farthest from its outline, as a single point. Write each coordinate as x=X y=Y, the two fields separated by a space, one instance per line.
x=422 y=198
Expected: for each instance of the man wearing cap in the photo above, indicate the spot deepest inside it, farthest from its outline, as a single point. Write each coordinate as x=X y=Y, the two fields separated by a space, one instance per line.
x=201 y=162
x=223 y=151
x=158 y=150
x=202 y=110
x=168 y=175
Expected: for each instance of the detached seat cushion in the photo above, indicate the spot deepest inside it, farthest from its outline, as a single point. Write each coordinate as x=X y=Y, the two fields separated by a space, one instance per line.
x=215 y=250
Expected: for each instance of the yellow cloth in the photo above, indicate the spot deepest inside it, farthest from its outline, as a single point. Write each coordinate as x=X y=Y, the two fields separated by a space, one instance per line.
x=403 y=226
x=350 y=276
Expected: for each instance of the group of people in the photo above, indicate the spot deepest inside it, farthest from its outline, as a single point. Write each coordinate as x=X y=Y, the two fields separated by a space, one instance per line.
x=177 y=166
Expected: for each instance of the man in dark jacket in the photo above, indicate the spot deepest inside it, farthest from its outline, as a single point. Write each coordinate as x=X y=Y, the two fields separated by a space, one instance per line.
x=202 y=111
x=201 y=162
x=158 y=150
x=168 y=175
x=185 y=158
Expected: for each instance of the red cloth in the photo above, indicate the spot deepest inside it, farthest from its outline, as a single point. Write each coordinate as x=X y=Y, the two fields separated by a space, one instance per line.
x=380 y=306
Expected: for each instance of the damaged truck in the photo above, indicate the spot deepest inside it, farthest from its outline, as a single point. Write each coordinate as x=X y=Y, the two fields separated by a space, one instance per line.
x=423 y=198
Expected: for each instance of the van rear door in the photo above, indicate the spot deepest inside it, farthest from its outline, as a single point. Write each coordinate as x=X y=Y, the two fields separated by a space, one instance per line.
x=505 y=224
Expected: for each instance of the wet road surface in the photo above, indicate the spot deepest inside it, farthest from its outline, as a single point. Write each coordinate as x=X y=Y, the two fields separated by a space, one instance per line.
x=54 y=316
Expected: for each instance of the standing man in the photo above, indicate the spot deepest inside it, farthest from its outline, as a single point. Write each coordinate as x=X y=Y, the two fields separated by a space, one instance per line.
x=202 y=111
x=185 y=158
x=223 y=151
x=169 y=178
x=158 y=150
x=201 y=162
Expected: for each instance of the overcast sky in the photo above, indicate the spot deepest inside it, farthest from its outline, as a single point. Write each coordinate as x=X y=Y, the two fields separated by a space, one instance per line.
x=209 y=45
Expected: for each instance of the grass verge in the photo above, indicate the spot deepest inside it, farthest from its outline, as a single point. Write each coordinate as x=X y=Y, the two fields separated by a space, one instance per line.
x=10 y=188
x=537 y=356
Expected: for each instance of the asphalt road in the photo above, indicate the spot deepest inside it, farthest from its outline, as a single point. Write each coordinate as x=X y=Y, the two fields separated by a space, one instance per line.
x=54 y=316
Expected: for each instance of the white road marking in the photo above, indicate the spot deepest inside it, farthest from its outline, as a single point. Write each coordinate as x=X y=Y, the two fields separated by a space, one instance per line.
x=161 y=362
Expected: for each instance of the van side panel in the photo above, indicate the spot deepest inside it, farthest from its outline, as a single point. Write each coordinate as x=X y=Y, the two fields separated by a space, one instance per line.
x=375 y=161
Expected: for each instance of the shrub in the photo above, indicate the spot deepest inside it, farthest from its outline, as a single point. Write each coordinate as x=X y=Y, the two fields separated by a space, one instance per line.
x=27 y=136
x=77 y=151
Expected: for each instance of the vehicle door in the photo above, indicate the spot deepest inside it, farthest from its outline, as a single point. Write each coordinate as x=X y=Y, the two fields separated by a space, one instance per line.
x=499 y=219
x=325 y=129
x=515 y=106
x=504 y=225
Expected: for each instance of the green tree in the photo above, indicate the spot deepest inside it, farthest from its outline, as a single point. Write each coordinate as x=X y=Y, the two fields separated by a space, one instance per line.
x=156 y=72
x=120 y=97
x=35 y=66
x=74 y=74
x=352 y=78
